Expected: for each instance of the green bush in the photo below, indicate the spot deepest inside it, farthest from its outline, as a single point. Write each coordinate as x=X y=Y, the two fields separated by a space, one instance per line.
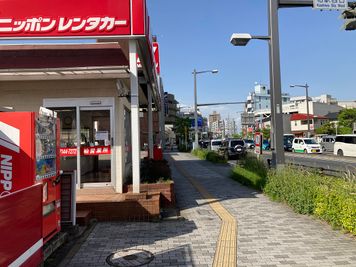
x=296 y=187
x=215 y=157
x=329 y=198
x=209 y=155
x=153 y=171
x=336 y=204
x=200 y=153
x=252 y=172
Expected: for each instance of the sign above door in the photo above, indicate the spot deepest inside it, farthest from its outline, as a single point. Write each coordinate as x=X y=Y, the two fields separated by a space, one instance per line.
x=80 y=18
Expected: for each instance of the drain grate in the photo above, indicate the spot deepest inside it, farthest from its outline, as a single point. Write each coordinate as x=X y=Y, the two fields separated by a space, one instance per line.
x=129 y=257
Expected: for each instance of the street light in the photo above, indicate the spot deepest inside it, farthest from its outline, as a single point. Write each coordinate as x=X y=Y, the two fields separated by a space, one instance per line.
x=195 y=72
x=241 y=39
x=306 y=86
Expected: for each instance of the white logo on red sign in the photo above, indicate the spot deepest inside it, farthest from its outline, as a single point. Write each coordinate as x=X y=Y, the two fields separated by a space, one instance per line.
x=44 y=25
x=9 y=137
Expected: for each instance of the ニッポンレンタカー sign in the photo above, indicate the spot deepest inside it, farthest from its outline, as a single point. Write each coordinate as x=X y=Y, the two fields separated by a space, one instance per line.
x=79 y=18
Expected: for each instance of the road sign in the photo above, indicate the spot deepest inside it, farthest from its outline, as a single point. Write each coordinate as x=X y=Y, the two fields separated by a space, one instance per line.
x=258 y=143
x=330 y=4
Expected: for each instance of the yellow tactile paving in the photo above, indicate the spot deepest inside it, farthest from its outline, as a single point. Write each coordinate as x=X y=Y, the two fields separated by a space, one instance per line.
x=225 y=253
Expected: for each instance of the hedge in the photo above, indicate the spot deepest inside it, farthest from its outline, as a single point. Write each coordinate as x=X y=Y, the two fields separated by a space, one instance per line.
x=252 y=172
x=328 y=198
x=209 y=155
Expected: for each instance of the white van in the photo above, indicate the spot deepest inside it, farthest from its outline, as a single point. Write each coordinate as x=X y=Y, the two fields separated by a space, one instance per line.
x=215 y=144
x=345 y=145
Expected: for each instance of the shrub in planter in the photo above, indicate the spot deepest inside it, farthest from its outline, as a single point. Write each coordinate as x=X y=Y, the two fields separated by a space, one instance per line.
x=153 y=171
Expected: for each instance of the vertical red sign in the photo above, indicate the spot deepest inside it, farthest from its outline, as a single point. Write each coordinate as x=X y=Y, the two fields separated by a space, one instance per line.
x=156 y=54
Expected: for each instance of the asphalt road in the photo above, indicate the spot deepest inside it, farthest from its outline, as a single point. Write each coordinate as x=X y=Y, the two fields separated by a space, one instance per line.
x=327 y=162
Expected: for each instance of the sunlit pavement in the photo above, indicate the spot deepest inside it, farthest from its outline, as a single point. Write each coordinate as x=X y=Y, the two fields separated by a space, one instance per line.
x=268 y=233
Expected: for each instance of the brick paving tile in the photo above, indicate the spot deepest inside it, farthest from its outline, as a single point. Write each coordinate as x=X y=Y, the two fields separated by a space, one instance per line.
x=269 y=233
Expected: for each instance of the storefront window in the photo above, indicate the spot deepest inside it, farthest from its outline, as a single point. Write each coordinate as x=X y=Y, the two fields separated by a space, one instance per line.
x=68 y=137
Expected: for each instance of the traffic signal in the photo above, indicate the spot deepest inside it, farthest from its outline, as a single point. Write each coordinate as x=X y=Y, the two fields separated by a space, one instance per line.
x=350 y=19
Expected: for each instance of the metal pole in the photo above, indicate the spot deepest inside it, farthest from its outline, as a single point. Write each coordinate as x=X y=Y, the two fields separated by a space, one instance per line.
x=276 y=83
x=307 y=101
x=196 y=145
x=150 y=123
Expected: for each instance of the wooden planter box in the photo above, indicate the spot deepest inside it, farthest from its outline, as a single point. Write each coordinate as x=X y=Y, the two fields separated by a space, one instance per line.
x=167 y=199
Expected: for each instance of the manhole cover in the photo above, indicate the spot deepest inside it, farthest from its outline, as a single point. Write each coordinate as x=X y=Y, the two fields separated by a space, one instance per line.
x=129 y=257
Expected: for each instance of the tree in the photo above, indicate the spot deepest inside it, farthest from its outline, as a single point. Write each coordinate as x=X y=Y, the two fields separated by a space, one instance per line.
x=328 y=128
x=346 y=119
x=266 y=132
x=182 y=126
x=235 y=135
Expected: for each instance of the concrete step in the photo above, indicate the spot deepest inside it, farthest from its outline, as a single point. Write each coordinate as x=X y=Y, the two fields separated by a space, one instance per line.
x=83 y=217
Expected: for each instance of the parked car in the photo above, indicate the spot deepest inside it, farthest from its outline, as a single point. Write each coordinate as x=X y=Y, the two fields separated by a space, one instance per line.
x=249 y=144
x=306 y=145
x=345 y=145
x=266 y=145
x=204 y=144
x=215 y=144
x=287 y=144
x=232 y=148
x=327 y=143
x=288 y=141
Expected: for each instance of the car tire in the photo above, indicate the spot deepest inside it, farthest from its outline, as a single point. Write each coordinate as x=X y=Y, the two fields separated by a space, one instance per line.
x=340 y=153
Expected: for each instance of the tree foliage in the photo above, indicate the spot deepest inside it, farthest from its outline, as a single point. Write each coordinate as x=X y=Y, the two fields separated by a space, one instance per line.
x=346 y=119
x=266 y=132
x=327 y=128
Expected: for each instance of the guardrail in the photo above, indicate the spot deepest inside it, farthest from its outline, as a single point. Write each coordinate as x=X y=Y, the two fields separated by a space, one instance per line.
x=337 y=169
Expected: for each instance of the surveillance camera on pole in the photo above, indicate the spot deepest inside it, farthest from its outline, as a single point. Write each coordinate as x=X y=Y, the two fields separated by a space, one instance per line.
x=350 y=18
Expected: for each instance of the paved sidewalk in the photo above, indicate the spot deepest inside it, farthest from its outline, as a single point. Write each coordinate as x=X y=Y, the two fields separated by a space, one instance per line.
x=269 y=233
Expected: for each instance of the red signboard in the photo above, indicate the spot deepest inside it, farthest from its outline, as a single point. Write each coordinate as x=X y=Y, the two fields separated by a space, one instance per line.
x=16 y=151
x=67 y=151
x=79 y=18
x=85 y=151
x=21 y=227
x=156 y=54
x=96 y=150
x=258 y=142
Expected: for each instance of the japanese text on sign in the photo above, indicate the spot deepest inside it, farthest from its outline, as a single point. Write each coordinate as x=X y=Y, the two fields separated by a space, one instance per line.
x=330 y=4
x=44 y=25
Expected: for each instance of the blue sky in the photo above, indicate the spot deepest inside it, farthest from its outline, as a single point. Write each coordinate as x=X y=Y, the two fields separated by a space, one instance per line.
x=195 y=34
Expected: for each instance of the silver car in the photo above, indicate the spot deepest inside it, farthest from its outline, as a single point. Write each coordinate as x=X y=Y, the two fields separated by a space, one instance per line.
x=327 y=143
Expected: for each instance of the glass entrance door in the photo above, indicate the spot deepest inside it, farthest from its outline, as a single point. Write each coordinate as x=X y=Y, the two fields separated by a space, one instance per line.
x=95 y=145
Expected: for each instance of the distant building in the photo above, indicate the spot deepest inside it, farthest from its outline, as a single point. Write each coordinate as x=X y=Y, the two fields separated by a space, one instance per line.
x=170 y=108
x=217 y=128
x=347 y=104
x=299 y=124
x=322 y=108
x=260 y=99
x=229 y=127
x=213 y=118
